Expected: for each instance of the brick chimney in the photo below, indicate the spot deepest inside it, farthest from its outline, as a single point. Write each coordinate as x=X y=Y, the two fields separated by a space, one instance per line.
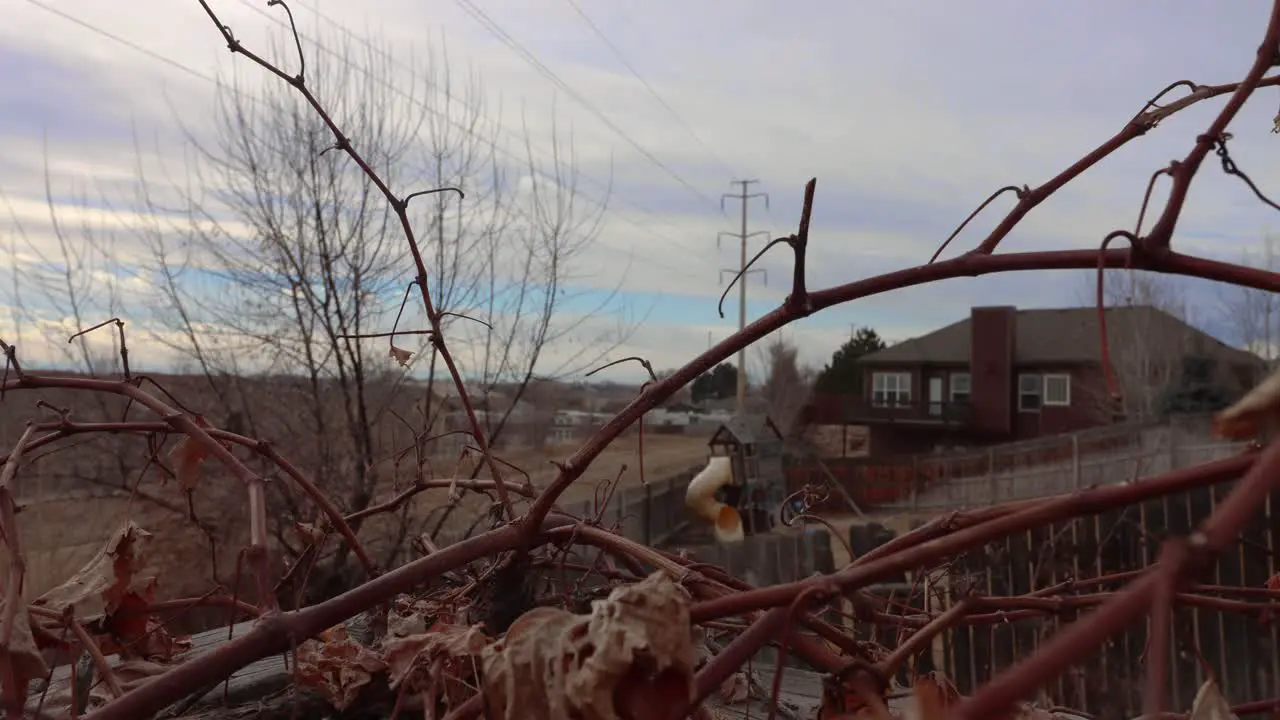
x=991 y=352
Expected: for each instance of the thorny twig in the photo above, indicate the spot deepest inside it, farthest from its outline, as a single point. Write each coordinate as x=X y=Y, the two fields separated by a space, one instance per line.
x=124 y=347
x=634 y=358
x=1019 y=192
x=737 y=277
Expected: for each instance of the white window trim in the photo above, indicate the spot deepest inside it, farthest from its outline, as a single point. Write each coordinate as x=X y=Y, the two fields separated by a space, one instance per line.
x=903 y=387
x=1044 y=395
x=1039 y=392
x=951 y=385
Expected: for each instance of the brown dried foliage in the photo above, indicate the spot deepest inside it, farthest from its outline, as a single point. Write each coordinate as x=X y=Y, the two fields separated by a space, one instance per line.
x=636 y=654
x=337 y=666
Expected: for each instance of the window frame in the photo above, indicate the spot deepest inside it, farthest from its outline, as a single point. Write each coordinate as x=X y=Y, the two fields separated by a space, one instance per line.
x=901 y=387
x=1065 y=378
x=951 y=387
x=1023 y=393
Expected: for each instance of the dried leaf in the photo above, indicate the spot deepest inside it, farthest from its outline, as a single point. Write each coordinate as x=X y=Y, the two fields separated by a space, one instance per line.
x=399 y=626
x=401 y=356
x=112 y=579
x=554 y=664
x=337 y=667
x=188 y=456
x=410 y=615
x=441 y=659
x=1210 y=705
x=735 y=689
x=1245 y=418
x=932 y=696
x=306 y=533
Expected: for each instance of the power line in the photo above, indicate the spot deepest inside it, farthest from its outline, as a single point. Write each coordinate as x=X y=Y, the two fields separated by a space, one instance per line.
x=364 y=71
x=127 y=43
x=741 y=273
x=506 y=38
x=622 y=58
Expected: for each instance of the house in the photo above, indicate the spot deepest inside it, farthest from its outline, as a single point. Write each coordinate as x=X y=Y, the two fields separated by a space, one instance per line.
x=574 y=425
x=1004 y=374
x=668 y=418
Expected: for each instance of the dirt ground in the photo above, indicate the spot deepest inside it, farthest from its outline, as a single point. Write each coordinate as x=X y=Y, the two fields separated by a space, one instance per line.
x=60 y=535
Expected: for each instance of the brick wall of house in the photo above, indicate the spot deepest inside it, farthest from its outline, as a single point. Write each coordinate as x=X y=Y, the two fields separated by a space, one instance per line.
x=991 y=369
x=1087 y=408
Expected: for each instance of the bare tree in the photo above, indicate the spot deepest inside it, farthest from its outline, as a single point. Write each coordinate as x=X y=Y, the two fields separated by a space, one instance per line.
x=290 y=252
x=1254 y=315
x=1145 y=356
x=784 y=384
x=73 y=280
x=65 y=282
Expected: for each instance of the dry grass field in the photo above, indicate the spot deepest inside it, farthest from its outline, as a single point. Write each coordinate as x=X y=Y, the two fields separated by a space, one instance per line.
x=60 y=534
x=67 y=513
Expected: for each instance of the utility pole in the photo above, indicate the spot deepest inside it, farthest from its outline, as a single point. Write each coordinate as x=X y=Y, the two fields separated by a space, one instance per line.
x=742 y=235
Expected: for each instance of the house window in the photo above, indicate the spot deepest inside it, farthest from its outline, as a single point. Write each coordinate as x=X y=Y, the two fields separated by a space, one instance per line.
x=1057 y=389
x=1030 y=389
x=960 y=388
x=890 y=388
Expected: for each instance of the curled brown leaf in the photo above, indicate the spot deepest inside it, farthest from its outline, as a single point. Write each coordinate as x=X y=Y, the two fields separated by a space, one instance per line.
x=337 y=667
x=554 y=664
x=114 y=578
x=187 y=456
x=735 y=689
x=401 y=356
x=437 y=662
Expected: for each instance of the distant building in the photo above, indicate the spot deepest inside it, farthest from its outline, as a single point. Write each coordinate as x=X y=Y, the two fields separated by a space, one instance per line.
x=1004 y=374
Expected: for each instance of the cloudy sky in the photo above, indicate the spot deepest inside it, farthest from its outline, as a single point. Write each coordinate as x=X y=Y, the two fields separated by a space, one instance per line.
x=908 y=113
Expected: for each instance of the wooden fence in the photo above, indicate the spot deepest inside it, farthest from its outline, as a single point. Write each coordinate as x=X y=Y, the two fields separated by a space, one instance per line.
x=770 y=559
x=1033 y=468
x=652 y=514
x=1241 y=651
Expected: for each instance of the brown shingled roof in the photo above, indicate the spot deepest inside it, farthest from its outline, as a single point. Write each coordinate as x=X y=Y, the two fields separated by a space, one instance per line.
x=1062 y=335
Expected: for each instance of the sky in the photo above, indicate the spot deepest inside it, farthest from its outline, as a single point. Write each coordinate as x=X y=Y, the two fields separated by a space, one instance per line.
x=908 y=113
